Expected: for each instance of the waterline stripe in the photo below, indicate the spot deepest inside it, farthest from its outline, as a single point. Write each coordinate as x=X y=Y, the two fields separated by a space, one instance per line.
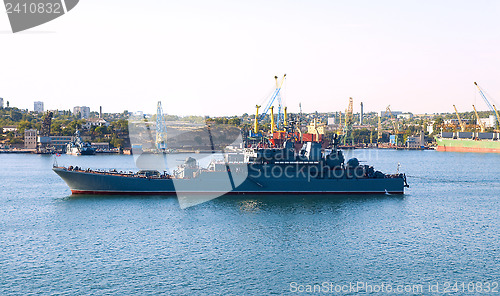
x=103 y=192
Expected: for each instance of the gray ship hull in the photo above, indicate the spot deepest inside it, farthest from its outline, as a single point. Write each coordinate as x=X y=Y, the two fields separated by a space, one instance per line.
x=81 y=182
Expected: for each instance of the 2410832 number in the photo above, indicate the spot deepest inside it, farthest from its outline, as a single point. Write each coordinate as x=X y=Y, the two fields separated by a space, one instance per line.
x=34 y=8
x=472 y=287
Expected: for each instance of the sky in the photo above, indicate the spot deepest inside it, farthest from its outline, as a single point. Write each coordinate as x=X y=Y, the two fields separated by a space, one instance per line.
x=220 y=57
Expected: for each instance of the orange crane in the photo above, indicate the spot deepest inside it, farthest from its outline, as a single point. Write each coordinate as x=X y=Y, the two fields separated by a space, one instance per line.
x=256 y=121
x=339 y=131
x=379 y=128
x=479 y=122
x=462 y=124
x=394 y=122
x=347 y=130
x=498 y=116
x=349 y=111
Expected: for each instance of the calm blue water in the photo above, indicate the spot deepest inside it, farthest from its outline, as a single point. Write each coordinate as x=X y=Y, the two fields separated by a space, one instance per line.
x=446 y=228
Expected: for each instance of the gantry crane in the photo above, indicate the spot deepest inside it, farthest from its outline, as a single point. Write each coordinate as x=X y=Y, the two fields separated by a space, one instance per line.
x=462 y=124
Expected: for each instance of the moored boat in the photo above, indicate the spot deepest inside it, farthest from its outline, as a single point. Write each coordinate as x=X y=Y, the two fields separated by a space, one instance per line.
x=468 y=142
x=79 y=147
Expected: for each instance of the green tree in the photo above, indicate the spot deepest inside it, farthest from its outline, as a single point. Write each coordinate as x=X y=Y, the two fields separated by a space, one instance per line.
x=23 y=125
x=235 y=121
x=56 y=128
x=16 y=141
x=101 y=131
x=15 y=115
x=115 y=142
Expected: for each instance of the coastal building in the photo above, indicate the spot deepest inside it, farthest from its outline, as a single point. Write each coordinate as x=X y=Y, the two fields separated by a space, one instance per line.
x=60 y=112
x=38 y=106
x=393 y=139
x=405 y=116
x=30 y=139
x=95 y=122
x=415 y=142
x=9 y=128
x=60 y=142
x=454 y=121
x=83 y=111
x=316 y=128
x=100 y=146
x=489 y=122
x=430 y=127
x=424 y=116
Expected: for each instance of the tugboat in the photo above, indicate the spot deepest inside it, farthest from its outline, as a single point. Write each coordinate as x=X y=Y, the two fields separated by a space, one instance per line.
x=79 y=147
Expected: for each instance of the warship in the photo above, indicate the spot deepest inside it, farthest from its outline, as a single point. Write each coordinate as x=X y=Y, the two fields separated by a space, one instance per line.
x=79 y=147
x=256 y=170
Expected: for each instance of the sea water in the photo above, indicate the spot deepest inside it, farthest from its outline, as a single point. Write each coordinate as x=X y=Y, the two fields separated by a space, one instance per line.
x=443 y=233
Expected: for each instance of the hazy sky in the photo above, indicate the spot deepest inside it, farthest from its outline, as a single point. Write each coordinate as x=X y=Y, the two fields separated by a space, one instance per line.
x=220 y=57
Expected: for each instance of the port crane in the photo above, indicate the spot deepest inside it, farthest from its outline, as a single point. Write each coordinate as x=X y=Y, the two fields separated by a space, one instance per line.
x=462 y=124
x=269 y=106
x=348 y=122
x=490 y=106
x=394 y=122
x=256 y=120
x=161 y=129
x=479 y=122
x=379 y=129
x=339 y=128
